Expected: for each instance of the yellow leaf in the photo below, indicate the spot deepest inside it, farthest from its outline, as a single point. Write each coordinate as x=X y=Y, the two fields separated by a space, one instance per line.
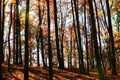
x=12 y=1
x=100 y=13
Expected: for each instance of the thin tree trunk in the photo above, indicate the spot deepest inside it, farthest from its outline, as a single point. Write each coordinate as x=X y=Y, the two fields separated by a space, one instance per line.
x=14 y=36
x=56 y=35
x=49 y=44
x=62 y=32
x=41 y=35
x=17 y=32
x=87 y=53
x=97 y=55
x=37 y=38
x=112 y=55
x=18 y=36
x=70 y=53
x=80 y=54
x=26 y=41
x=42 y=47
x=9 y=48
x=75 y=28
x=99 y=37
x=2 y=8
x=0 y=43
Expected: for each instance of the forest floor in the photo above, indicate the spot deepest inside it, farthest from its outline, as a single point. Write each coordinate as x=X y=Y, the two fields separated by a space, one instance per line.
x=38 y=73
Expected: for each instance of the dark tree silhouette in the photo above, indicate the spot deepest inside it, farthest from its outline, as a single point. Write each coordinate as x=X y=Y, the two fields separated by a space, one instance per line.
x=112 y=54
x=26 y=41
x=9 y=38
x=61 y=63
x=2 y=15
x=86 y=37
x=49 y=44
x=97 y=54
x=80 y=51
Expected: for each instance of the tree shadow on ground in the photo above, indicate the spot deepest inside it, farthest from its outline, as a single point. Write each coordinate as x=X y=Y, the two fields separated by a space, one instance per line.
x=39 y=73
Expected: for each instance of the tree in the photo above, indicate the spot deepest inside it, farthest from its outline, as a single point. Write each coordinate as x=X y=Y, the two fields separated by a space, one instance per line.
x=49 y=44
x=9 y=38
x=97 y=54
x=86 y=36
x=26 y=41
x=18 y=36
x=112 y=54
x=80 y=51
x=2 y=15
x=61 y=63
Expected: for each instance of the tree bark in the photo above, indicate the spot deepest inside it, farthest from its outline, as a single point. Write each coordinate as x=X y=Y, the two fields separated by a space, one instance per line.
x=2 y=8
x=80 y=54
x=9 y=48
x=49 y=43
x=56 y=35
x=97 y=54
x=26 y=41
x=86 y=37
x=112 y=54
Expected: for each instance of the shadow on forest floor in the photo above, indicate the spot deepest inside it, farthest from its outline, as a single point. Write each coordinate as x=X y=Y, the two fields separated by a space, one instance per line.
x=38 y=73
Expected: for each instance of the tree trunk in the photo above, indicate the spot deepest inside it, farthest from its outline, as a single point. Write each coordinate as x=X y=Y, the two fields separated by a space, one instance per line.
x=56 y=35
x=99 y=37
x=38 y=62
x=18 y=36
x=2 y=8
x=14 y=41
x=9 y=48
x=49 y=44
x=86 y=37
x=42 y=47
x=41 y=35
x=26 y=41
x=62 y=33
x=97 y=55
x=80 y=54
x=112 y=55
x=17 y=39
x=75 y=27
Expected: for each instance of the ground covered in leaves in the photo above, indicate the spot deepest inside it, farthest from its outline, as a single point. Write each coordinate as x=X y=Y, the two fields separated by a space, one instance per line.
x=38 y=73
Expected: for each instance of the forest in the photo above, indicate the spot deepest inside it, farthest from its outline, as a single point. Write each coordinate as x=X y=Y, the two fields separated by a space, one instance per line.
x=59 y=39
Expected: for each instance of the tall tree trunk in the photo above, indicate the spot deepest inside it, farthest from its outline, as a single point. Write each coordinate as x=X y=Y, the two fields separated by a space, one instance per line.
x=14 y=36
x=2 y=8
x=9 y=48
x=74 y=27
x=86 y=37
x=49 y=44
x=112 y=55
x=18 y=36
x=26 y=41
x=97 y=54
x=62 y=34
x=17 y=39
x=98 y=23
x=40 y=37
x=56 y=35
x=37 y=38
x=80 y=54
